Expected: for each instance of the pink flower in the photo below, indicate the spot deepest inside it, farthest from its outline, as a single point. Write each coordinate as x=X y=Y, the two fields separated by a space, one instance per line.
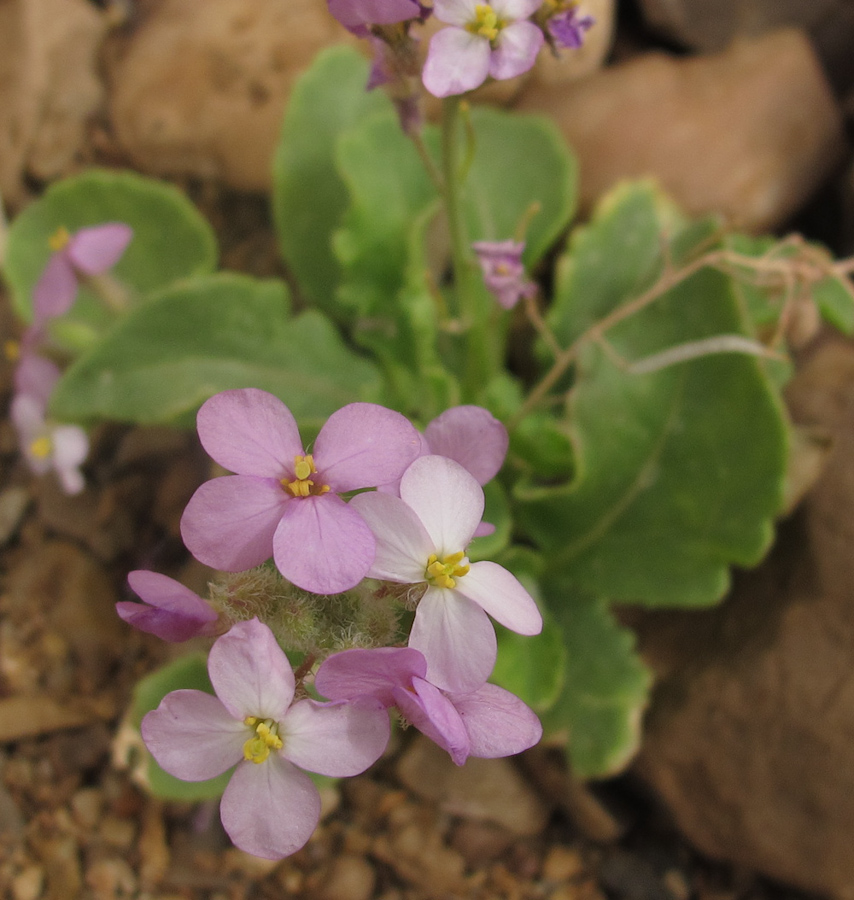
x=422 y=537
x=270 y=807
x=488 y=38
x=284 y=502
x=503 y=272
x=358 y=15
x=488 y=722
x=567 y=28
x=171 y=611
x=87 y=252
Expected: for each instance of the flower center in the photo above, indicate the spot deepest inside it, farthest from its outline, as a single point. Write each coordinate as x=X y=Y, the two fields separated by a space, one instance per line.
x=59 y=239
x=265 y=737
x=11 y=350
x=486 y=22
x=40 y=448
x=444 y=572
x=303 y=485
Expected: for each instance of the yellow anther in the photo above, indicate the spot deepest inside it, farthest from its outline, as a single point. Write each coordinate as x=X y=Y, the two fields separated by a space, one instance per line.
x=486 y=22
x=59 y=239
x=303 y=485
x=444 y=572
x=304 y=466
x=265 y=739
x=12 y=350
x=41 y=447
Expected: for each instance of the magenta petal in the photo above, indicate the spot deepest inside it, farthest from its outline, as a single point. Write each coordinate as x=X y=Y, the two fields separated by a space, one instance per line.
x=456 y=62
x=335 y=739
x=55 y=290
x=498 y=723
x=471 y=436
x=229 y=522
x=456 y=638
x=518 y=46
x=354 y=13
x=250 y=432
x=175 y=612
x=502 y=595
x=250 y=672
x=192 y=736
x=433 y=714
x=94 y=250
x=372 y=673
x=322 y=545
x=270 y=809
x=363 y=445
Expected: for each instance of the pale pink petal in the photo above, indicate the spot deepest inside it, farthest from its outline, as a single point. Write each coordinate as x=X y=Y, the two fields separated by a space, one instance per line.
x=355 y=13
x=229 y=522
x=403 y=545
x=433 y=714
x=323 y=545
x=336 y=739
x=55 y=290
x=516 y=50
x=250 y=672
x=501 y=594
x=164 y=592
x=393 y=487
x=456 y=638
x=363 y=445
x=456 y=62
x=515 y=9
x=372 y=673
x=447 y=500
x=94 y=250
x=192 y=736
x=484 y=530
x=455 y=12
x=471 y=436
x=250 y=432
x=270 y=809
x=70 y=449
x=171 y=611
x=36 y=376
x=498 y=723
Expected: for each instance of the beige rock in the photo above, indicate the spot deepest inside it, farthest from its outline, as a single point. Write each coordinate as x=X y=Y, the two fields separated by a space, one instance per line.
x=748 y=133
x=749 y=738
x=200 y=86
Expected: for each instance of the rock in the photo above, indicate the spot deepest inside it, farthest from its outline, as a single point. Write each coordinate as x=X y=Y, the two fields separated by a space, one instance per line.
x=350 y=877
x=748 y=742
x=724 y=133
x=200 y=86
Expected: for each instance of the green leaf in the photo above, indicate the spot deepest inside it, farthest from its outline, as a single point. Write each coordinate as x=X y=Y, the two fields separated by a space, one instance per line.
x=680 y=472
x=605 y=687
x=171 y=239
x=166 y=357
x=835 y=300
x=519 y=160
x=188 y=672
x=309 y=196
x=541 y=447
x=496 y=512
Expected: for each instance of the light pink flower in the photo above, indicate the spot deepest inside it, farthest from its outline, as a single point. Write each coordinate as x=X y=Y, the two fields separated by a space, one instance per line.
x=87 y=252
x=270 y=807
x=486 y=38
x=358 y=15
x=488 y=722
x=422 y=537
x=503 y=271
x=171 y=611
x=284 y=502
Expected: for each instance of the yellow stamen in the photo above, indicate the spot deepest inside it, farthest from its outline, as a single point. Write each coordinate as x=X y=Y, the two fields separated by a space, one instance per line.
x=41 y=447
x=303 y=485
x=265 y=738
x=444 y=572
x=486 y=22
x=59 y=239
x=12 y=350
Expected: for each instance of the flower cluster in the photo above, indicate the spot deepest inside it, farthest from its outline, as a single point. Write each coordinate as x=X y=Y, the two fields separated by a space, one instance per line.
x=404 y=542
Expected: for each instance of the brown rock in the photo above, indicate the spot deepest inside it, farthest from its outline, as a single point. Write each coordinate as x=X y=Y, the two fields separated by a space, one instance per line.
x=748 y=133
x=749 y=737
x=200 y=87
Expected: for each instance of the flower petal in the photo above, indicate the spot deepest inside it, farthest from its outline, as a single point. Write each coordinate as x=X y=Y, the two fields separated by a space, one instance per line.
x=336 y=739
x=456 y=62
x=270 y=809
x=433 y=714
x=229 y=522
x=373 y=673
x=515 y=9
x=36 y=376
x=323 y=545
x=516 y=50
x=471 y=436
x=501 y=594
x=456 y=638
x=354 y=13
x=192 y=736
x=175 y=612
x=55 y=290
x=363 y=445
x=403 y=545
x=94 y=250
x=455 y=12
x=498 y=723
x=250 y=672
x=250 y=432
x=447 y=500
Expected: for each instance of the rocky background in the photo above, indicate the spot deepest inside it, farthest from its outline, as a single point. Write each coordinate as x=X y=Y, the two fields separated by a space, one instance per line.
x=745 y=784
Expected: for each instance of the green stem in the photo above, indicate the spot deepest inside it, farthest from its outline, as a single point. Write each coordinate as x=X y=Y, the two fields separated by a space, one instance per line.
x=110 y=291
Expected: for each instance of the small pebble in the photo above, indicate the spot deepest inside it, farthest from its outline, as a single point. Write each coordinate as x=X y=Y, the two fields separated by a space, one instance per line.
x=350 y=878
x=29 y=884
